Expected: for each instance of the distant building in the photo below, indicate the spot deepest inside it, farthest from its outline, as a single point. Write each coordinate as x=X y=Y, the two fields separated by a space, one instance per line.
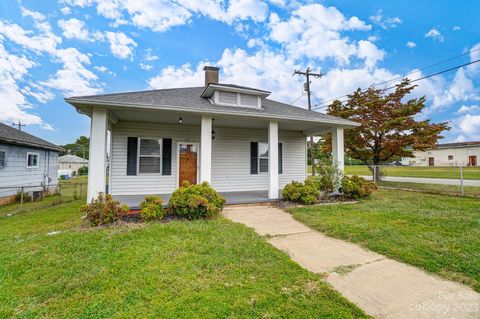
x=448 y=154
x=26 y=160
x=71 y=162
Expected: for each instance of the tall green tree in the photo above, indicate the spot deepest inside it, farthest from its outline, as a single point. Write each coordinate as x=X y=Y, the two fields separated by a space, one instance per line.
x=389 y=127
x=79 y=147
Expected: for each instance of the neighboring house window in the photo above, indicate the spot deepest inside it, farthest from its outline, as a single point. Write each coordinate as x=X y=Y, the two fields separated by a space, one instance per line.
x=450 y=157
x=32 y=160
x=149 y=155
x=2 y=159
x=263 y=157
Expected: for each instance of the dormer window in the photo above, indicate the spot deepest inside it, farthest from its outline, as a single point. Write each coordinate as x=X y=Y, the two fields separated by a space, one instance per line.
x=234 y=95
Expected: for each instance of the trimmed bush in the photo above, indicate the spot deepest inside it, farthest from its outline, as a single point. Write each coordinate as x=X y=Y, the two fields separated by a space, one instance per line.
x=298 y=192
x=103 y=210
x=152 y=208
x=83 y=170
x=328 y=178
x=357 y=187
x=196 y=201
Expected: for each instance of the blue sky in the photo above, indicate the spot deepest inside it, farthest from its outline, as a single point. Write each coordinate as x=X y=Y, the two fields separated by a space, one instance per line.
x=50 y=50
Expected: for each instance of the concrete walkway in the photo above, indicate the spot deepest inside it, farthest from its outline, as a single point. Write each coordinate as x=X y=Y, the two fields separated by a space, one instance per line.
x=382 y=287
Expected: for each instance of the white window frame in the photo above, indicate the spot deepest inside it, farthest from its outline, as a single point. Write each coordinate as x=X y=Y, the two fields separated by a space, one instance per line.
x=33 y=154
x=4 y=159
x=160 y=140
x=268 y=157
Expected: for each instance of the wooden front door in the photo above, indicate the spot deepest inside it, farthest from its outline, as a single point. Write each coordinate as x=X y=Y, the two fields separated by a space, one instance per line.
x=472 y=160
x=431 y=161
x=188 y=154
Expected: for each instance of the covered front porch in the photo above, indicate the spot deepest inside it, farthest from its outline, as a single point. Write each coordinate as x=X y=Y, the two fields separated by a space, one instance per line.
x=232 y=198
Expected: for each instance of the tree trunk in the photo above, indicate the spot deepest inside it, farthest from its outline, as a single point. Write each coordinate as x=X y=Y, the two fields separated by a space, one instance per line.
x=377 y=172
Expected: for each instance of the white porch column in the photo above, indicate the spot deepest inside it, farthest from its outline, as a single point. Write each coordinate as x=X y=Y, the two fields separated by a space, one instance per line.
x=338 y=148
x=273 y=160
x=206 y=150
x=98 y=150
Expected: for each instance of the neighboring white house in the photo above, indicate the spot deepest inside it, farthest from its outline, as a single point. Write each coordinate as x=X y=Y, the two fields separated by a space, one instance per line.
x=448 y=154
x=231 y=136
x=25 y=160
x=71 y=162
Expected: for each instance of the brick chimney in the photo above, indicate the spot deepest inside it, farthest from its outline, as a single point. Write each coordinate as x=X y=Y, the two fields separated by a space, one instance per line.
x=211 y=74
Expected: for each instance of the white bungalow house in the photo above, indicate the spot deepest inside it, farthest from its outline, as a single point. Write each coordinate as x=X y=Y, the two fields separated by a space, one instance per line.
x=244 y=144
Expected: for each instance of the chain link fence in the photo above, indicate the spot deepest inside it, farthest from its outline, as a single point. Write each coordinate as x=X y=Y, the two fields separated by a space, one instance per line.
x=31 y=197
x=446 y=180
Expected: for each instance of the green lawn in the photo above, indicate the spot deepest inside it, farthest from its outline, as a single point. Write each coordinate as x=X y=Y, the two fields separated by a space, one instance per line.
x=198 y=269
x=440 y=234
x=454 y=190
x=416 y=171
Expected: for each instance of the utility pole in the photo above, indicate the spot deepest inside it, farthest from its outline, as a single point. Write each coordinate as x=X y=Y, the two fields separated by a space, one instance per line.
x=19 y=125
x=308 y=73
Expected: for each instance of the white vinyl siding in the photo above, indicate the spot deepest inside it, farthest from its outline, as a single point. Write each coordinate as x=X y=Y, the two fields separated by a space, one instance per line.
x=230 y=158
x=237 y=99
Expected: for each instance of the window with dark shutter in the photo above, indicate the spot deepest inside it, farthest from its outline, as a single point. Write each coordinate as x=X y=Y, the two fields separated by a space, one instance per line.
x=132 y=146
x=280 y=158
x=253 y=158
x=167 y=156
x=263 y=157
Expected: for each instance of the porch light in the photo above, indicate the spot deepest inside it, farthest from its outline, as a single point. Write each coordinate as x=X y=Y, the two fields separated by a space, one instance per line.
x=180 y=120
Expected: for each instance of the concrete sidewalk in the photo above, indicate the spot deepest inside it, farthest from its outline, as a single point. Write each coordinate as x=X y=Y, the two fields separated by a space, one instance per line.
x=382 y=287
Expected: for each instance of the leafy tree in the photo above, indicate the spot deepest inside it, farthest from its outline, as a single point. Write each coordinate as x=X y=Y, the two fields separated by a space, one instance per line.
x=82 y=143
x=389 y=128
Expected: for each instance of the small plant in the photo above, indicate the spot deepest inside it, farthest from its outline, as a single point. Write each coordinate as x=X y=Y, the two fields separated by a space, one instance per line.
x=328 y=178
x=152 y=208
x=298 y=192
x=103 y=210
x=357 y=187
x=196 y=201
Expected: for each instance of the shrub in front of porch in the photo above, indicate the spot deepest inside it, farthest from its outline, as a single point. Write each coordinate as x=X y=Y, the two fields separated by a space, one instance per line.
x=152 y=208
x=196 y=201
x=303 y=193
x=103 y=210
x=357 y=187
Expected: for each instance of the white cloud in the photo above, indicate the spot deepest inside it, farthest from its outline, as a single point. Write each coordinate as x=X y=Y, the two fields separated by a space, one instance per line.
x=74 y=29
x=369 y=51
x=411 y=44
x=245 y=9
x=385 y=22
x=468 y=109
x=120 y=44
x=66 y=10
x=434 y=34
x=456 y=28
x=314 y=31
x=146 y=67
x=470 y=125
x=74 y=78
x=149 y=57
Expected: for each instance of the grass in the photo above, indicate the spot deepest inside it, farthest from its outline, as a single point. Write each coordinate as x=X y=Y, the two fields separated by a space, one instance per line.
x=453 y=190
x=416 y=171
x=198 y=269
x=440 y=234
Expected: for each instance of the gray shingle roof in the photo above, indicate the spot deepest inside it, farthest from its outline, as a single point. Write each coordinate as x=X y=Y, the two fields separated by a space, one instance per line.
x=11 y=135
x=69 y=158
x=190 y=98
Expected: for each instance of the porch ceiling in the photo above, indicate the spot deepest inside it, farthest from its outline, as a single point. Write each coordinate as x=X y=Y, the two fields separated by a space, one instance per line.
x=170 y=117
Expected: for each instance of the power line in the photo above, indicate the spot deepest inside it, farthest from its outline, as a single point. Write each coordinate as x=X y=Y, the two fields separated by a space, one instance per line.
x=298 y=98
x=405 y=75
x=319 y=105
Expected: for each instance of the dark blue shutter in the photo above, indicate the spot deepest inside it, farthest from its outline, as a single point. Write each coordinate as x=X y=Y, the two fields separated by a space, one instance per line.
x=280 y=158
x=132 y=147
x=253 y=158
x=167 y=156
